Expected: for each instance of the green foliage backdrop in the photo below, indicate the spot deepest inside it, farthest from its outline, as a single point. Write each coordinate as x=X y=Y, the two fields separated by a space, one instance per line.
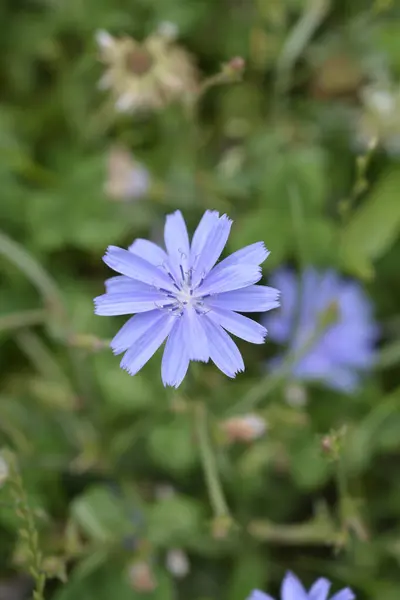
x=297 y=155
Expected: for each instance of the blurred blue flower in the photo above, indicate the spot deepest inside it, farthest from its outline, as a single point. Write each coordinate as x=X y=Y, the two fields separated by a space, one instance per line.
x=338 y=308
x=292 y=589
x=181 y=295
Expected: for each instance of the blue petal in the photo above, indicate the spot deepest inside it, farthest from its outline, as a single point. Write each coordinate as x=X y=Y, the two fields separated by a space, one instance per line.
x=238 y=325
x=149 y=251
x=127 y=304
x=197 y=346
x=204 y=228
x=212 y=249
x=231 y=278
x=292 y=588
x=255 y=254
x=280 y=323
x=257 y=595
x=148 y=343
x=255 y=298
x=120 y=284
x=133 y=266
x=177 y=244
x=133 y=329
x=317 y=366
x=223 y=351
x=345 y=594
x=175 y=361
x=319 y=590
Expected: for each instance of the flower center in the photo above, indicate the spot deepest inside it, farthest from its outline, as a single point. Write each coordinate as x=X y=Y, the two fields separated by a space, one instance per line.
x=139 y=61
x=185 y=295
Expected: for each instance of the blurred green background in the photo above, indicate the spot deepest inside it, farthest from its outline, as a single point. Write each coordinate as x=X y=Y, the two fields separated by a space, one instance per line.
x=111 y=464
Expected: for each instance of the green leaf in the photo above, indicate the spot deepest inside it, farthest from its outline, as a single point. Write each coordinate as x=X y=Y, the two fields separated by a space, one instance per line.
x=100 y=514
x=249 y=574
x=124 y=394
x=171 y=445
x=373 y=228
x=270 y=225
x=376 y=433
x=112 y=581
x=174 y=521
x=309 y=467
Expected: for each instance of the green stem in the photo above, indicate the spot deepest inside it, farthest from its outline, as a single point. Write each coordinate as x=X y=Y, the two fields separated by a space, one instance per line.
x=48 y=288
x=23 y=318
x=343 y=494
x=361 y=183
x=388 y=356
x=313 y=533
x=298 y=220
x=297 y=40
x=29 y=530
x=34 y=272
x=40 y=356
x=208 y=459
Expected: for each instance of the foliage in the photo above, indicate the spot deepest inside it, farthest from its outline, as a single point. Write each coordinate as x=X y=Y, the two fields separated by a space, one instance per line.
x=113 y=467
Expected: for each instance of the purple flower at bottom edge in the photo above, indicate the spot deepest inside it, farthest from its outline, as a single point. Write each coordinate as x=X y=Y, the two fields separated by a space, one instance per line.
x=345 y=348
x=180 y=295
x=293 y=589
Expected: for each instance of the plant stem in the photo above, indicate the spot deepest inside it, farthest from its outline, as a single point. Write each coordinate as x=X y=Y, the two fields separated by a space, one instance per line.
x=208 y=459
x=23 y=318
x=296 y=42
x=17 y=255
x=28 y=531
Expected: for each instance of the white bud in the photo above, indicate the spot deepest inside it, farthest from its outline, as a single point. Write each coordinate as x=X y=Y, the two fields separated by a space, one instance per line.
x=295 y=395
x=168 y=30
x=177 y=562
x=4 y=470
x=382 y=101
x=141 y=577
x=164 y=491
x=244 y=429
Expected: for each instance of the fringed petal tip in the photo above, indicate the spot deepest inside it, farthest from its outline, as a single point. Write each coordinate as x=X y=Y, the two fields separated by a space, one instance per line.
x=264 y=251
x=97 y=303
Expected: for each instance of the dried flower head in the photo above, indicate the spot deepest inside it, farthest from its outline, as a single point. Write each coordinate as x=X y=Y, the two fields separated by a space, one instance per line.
x=146 y=75
x=126 y=178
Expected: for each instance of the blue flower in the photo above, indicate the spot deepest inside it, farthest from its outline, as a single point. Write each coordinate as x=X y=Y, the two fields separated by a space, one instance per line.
x=181 y=295
x=292 y=589
x=345 y=348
